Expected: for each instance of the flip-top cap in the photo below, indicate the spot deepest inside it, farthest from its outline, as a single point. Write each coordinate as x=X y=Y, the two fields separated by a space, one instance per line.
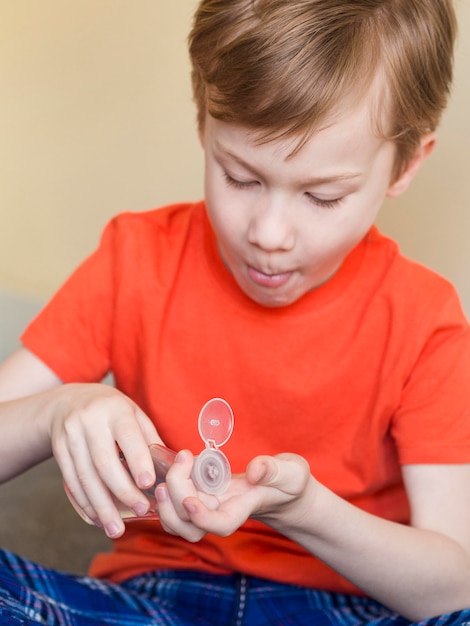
x=215 y=422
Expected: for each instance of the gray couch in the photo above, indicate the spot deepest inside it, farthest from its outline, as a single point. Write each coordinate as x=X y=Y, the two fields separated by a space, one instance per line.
x=38 y=522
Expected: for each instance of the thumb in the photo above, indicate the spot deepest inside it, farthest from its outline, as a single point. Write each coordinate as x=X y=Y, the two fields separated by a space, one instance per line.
x=287 y=472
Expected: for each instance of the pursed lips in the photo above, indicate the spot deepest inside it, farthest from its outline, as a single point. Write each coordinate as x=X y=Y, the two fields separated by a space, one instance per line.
x=268 y=279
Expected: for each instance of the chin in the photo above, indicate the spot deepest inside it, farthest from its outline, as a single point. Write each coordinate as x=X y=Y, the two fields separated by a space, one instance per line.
x=272 y=300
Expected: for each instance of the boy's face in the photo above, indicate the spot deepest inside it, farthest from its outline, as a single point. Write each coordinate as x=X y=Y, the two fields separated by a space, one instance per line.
x=285 y=223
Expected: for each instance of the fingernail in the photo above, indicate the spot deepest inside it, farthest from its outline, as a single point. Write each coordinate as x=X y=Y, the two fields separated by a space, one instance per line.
x=112 y=529
x=181 y=456
x=145 y=480
x=262 y=473
x=162 y=493
x=140 y=509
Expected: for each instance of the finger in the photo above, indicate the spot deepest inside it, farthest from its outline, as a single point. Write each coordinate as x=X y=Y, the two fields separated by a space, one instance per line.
x=124 y=425
x=171 y=521
x=97 y=500
x=77 y=496
x=73 y=486
x=134 y=438
x=179 y=483
x=83 y=491
x=115 y=479
x=222 y=521
x=148 y=428
x=287 y=472
x=124 y=482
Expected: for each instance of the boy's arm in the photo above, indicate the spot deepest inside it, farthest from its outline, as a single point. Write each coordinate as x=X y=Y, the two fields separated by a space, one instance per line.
x=80 y=424
x=22 y=445
x=419 y=571
x=22 y=374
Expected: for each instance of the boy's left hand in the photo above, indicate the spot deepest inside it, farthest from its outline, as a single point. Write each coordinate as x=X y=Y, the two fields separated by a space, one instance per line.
x=269 y=489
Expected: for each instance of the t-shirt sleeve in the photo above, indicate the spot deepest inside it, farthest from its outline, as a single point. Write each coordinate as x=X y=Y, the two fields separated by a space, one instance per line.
x=432 y=424
x=72 y=334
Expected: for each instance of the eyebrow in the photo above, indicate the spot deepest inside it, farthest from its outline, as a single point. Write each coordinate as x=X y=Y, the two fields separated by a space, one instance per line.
x=316 y=180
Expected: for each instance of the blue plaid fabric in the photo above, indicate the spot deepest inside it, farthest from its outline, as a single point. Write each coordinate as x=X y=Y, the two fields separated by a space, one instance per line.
x=31 y=594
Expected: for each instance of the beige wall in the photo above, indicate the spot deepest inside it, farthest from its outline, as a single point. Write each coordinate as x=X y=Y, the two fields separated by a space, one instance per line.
x=432 y=220
x=96 y=118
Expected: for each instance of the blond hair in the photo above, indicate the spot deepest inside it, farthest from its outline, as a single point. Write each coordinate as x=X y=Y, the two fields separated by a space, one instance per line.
x=284 y=67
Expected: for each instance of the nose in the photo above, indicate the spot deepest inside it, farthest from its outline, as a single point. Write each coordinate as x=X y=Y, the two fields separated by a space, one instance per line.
x=271 y=227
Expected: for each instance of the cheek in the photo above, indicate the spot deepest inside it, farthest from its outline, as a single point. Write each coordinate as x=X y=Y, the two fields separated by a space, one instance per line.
x=213 y=199
x=222 y=215
x=225 y=212
x=229 y=231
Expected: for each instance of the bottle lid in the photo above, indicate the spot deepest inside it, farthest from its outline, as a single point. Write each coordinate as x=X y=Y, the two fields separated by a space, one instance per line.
x=215 y=422
x=211 y=472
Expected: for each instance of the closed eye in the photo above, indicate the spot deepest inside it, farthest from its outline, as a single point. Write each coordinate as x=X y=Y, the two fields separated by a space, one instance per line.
x=238 y=184
x=324 y=204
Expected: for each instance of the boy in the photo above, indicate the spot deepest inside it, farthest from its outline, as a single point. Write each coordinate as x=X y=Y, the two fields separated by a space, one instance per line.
x=346 y=364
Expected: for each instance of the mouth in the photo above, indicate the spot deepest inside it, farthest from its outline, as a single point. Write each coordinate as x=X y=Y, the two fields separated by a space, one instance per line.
x=268 y=280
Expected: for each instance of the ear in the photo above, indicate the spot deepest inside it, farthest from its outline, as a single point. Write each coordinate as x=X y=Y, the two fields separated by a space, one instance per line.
x=424 y=149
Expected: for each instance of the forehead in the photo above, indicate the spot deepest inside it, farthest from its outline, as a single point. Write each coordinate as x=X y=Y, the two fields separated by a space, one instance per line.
x=348 y=134
x=370 y=109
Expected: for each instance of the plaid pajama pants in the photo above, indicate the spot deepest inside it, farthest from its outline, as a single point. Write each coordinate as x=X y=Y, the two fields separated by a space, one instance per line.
x=31 y=594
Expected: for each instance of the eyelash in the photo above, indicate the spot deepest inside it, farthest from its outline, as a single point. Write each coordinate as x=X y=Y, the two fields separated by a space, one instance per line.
x=238 y=184
x=324 y=204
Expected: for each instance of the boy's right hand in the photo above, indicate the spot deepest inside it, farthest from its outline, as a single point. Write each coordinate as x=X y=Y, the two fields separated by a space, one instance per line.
x=88 y=425
x=83 y=425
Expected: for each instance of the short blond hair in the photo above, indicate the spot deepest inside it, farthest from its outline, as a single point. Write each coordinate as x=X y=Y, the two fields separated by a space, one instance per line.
x=283 y=67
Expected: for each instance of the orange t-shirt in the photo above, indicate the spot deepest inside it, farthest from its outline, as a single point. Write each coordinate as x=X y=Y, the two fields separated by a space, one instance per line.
x=364 y=373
